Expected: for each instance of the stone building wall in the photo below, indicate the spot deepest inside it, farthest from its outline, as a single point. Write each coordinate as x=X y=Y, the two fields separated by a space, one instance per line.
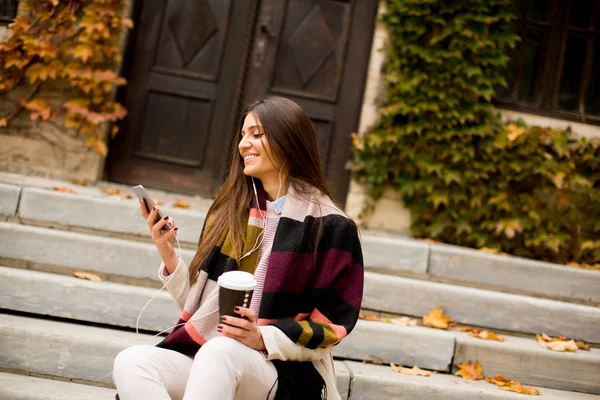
x=46 y=147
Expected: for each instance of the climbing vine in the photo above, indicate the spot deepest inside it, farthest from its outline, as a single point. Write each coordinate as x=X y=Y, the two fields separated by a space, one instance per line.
x=467 y=177
x=72 y=42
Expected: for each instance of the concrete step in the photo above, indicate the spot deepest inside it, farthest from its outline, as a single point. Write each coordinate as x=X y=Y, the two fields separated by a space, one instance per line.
x=22 y=387
x=88 y=208
x=521 y=358
x=525 y=360
x=50 y=294
x=374 y=382
x=472 y=306
x=408 y=296
x=85 y=353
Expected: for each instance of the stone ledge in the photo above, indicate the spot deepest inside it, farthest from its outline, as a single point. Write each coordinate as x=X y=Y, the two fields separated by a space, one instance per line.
x=50 y=294
x=22 y=387
x=374 y=382
x=106 y=214
x=9 y=199
x=394 y=255
x=76 y=351
x=82 y=251
x=552 y=280
x=428 y=348
x=480 y=307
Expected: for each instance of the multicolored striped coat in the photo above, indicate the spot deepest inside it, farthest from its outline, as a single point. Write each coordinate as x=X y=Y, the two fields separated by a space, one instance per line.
x=312 y=291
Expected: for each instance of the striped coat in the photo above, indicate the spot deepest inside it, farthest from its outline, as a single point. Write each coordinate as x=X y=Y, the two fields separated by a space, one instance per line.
x=310 y=300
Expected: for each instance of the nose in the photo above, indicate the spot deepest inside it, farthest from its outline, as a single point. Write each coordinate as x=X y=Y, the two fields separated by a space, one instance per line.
x=244 y=144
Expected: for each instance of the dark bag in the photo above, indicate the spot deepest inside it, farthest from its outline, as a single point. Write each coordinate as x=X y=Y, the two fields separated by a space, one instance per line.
x=299 y=381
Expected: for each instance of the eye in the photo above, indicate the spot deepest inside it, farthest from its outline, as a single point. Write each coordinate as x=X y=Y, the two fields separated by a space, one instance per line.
x=257 y=135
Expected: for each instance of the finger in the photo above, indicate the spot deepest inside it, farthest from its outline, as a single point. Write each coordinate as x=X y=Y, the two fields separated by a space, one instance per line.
x=166 y=236
x=144 y=209
x=232 y=331
x=246 y=312
x=158 y=226
x=236 y=322
x=151 y=217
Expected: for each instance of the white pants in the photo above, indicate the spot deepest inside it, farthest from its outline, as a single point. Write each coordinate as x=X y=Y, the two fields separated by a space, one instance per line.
x=223 y=369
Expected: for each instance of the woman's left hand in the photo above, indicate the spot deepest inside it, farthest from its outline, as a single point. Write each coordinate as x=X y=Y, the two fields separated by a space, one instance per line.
x=242 y=330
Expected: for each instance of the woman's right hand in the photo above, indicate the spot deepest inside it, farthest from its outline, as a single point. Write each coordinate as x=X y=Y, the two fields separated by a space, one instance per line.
x=163 y=239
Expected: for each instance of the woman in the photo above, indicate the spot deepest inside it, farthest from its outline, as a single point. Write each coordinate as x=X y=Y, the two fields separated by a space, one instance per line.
x=273 y=217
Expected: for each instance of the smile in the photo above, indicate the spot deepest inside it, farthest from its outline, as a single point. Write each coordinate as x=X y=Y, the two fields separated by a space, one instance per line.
x=250 y=157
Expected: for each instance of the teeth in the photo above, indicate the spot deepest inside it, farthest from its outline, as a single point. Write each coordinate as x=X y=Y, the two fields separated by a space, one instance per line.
x=250 y=157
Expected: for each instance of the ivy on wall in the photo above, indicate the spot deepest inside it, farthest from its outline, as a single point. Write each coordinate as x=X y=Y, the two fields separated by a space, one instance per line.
x=468 y=178
x=75 y=42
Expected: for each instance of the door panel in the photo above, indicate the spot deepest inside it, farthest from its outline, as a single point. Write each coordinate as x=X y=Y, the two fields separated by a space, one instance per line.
x=183 y=93
x=316 y=53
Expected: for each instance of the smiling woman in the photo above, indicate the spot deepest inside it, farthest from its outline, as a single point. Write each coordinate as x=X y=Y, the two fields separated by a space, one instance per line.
x=274 y=217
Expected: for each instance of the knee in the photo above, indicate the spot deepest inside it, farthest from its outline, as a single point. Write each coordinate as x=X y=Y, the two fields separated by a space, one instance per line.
x=220 y=347
x=130 y=357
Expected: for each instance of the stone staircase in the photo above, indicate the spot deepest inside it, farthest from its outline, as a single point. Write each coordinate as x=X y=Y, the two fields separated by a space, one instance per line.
x=60 y=334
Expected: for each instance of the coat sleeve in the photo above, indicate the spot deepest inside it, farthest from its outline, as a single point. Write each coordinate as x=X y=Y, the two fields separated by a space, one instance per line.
x=177 y=283
x=280 y=347
x=337 y=292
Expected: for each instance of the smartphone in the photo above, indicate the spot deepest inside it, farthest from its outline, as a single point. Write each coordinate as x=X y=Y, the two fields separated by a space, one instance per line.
x=141 y=193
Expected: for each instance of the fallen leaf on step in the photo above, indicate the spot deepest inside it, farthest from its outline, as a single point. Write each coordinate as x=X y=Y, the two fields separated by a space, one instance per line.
x=470 y=371
x=486 y=335
x=111 y=191
x=556 y=344
x=581 y=345
x=511 y=386
x=181 y=204
x=415 y=370
x=436 y=319
x=404 y=321
x=62 y=189
x=87 y=275
x=79 y=182
x=158 y=202
x=376 y=360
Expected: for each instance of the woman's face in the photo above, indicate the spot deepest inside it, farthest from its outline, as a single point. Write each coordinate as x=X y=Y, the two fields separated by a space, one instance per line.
x=254 y=149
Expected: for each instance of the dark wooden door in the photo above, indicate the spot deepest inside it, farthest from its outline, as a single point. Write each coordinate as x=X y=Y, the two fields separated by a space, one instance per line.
x=187 y=67
x=316 y=52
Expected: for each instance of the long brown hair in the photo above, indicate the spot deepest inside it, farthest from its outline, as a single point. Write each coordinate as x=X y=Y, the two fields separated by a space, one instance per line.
x=292 y=139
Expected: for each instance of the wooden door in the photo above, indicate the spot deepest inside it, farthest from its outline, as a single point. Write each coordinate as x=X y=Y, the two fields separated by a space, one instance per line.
x=187 y=67
x=316 y=52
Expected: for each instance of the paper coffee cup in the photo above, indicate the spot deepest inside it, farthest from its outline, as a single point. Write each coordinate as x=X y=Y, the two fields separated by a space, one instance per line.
x=235 y=290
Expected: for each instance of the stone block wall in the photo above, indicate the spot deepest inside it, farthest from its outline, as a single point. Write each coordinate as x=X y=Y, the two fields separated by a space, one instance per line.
x=46 y=147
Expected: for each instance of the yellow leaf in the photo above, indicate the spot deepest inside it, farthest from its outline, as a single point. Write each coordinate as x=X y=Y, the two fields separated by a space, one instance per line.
x=62 y=189
x=556 y=344
x=3 y=122
x=486 y=335
x=83 y=52
x=111 y=191
x=35 y=72
x=78 y=105
x=581 y=345
x=87 y=275
x=512 y=386
x=113 y=131
x=100 y=147
x=127 y=22
x=40 y=108
x=54 y=2
x=436 y=319
x=181 y=204
x=470 y=371
x=516 y=386
x=415 y=370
